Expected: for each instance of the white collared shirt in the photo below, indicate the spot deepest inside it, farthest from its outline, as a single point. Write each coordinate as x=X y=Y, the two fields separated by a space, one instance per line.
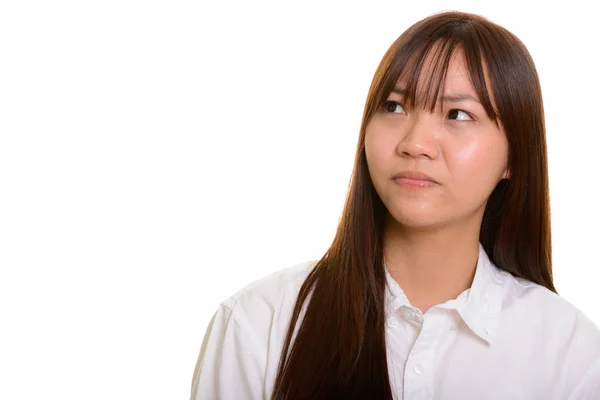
x=503 y=338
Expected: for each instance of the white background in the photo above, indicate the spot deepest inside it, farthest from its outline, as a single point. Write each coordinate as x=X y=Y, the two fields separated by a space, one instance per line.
x=157 y=156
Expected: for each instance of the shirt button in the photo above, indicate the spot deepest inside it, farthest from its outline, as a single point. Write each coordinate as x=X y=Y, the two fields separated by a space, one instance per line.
x=392 y=323
x=419 y=369
x=453 y=327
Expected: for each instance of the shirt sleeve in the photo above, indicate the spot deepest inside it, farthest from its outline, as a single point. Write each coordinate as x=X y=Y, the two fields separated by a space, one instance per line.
x=589 y=386
x=231 y=364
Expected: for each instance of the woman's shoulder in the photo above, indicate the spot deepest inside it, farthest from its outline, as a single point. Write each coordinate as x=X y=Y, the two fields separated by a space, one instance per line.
x=533 y=296
x=552 y=313
x=556 y=331
x=241 y=349
x=270 y=294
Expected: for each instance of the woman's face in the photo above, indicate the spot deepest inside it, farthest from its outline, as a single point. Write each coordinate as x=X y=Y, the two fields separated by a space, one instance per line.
x=458 y=146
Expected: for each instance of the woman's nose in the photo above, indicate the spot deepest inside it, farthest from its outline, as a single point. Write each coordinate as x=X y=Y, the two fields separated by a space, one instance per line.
x=419 y=139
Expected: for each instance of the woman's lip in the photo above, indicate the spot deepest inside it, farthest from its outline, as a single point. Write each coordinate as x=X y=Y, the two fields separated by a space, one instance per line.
x=414 y=183
x=415 y=175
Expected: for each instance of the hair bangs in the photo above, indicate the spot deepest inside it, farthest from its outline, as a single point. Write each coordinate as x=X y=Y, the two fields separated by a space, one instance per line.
x=409 y=70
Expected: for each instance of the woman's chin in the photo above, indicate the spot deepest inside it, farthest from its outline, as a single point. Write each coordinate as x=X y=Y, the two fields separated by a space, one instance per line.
x=422 y=220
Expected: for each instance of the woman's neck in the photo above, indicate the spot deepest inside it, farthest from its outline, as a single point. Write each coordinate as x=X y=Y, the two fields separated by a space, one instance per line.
x=434 y=266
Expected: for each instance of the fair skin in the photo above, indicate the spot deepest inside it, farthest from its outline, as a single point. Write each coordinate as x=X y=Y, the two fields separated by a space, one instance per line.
x=431 y=237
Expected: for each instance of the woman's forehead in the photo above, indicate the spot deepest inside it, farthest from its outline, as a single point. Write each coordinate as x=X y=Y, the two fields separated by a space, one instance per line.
x=455 y=73
x=440 y=74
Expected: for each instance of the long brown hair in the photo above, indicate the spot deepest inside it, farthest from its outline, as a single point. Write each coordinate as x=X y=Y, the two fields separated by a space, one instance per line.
x=339 y=349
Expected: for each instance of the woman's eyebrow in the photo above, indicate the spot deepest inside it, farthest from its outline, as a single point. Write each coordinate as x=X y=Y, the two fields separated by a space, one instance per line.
x=448 y=98
x=455 y=98
x=399 y=91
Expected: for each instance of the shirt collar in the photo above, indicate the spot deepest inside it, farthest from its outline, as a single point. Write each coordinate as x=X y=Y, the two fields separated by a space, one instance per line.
x=479 y=306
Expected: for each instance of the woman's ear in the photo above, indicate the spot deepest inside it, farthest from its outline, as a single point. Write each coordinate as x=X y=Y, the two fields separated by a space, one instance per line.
x=506 y=174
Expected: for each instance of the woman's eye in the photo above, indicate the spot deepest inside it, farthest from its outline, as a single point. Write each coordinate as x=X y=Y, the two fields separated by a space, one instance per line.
x=393 y=107
x=459 y=115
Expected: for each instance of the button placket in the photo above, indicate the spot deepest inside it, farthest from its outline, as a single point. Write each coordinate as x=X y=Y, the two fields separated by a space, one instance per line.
x=418 y=378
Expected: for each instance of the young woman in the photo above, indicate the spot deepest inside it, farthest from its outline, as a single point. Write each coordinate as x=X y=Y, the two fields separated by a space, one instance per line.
x=438 y=284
